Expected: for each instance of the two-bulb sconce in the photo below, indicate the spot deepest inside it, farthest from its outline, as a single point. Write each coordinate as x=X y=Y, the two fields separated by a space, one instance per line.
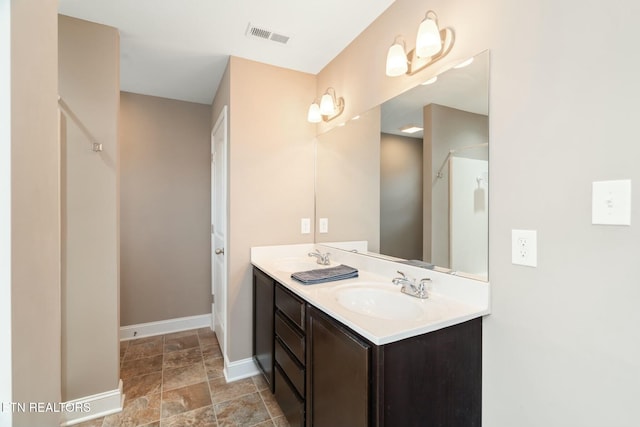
x=432 y=44
x=329 y=108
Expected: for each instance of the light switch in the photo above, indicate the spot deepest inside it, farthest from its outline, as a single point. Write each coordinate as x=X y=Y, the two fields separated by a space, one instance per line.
x=323 y=225
x=305 y=225
x=611 y=202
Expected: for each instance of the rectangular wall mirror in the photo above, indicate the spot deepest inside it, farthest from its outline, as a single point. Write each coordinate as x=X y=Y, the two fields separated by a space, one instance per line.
x=418 y=197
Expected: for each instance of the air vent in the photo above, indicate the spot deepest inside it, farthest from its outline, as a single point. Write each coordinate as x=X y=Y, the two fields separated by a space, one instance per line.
x=261 y=33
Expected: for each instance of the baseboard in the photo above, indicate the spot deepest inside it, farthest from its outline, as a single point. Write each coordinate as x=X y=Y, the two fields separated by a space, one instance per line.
x=164 y=327
x=245 y=368
x=92 y=407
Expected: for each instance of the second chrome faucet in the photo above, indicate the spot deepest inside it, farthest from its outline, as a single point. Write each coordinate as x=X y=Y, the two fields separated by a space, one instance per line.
x=409 y=286
x=323 y=259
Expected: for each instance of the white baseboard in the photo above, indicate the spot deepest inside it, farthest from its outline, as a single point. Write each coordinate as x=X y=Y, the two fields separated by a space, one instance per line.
x=245 y=368
x=92 y=407
x=164 y=327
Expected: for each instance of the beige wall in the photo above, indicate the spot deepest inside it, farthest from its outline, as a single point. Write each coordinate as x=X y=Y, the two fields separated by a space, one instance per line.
x=89 y=86
x=449 y=129
x=559 y=346
x=270 y=176
x=165 y=204
x=30 y=278
x=401 y=181
x=348 y=170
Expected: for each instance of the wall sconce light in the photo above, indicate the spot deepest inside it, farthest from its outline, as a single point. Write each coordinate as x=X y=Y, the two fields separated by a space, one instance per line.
x=329 y=108
x=397 y=63
x=432 y=44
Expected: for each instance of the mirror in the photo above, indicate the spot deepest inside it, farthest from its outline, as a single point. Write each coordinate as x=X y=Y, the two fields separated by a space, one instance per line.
x=419 y=197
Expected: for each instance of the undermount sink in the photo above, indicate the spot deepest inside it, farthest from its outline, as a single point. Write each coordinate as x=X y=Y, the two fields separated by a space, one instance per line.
x=293 y=265
x=381 y=302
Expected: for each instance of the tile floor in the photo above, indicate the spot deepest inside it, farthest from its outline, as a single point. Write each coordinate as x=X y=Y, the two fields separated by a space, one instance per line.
x=176 y=380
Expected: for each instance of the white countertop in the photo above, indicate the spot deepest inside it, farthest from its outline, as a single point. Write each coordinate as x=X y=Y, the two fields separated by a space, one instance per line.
x=452 y=300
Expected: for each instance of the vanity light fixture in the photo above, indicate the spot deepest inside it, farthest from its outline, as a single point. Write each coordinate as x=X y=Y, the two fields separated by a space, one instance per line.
x=314 y=115
x=328 y=109
x=432 y=44
x=428 y=41
x=397 y=64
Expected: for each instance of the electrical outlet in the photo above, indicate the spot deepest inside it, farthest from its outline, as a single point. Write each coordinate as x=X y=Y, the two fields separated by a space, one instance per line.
x=524 y=247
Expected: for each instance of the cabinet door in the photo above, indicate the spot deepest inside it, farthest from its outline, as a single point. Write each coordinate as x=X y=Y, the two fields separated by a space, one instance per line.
x=263 y=306
x=338 y=372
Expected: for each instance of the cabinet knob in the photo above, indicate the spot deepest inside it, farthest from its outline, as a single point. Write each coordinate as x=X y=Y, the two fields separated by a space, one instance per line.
x=219 y=251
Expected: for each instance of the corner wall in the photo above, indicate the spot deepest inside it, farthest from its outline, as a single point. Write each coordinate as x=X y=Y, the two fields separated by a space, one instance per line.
x=89 y=87
x=560 y=345
x=165 y=208
x=30 y=201
x=348 y=168
x=270 y=176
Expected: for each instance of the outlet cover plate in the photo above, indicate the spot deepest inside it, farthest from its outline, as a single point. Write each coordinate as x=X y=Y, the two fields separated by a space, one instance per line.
x=524 y=247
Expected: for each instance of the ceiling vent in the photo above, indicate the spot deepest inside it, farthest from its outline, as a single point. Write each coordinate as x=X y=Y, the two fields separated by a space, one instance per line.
x=261 y=33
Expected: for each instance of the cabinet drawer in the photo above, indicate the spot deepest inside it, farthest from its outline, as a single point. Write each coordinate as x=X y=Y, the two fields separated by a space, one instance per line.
x=290 y=337
x=292 y=406
x=290 y=367
x=291 y=306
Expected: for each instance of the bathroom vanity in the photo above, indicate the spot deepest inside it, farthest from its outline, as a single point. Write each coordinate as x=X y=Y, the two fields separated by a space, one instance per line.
x=329 y=365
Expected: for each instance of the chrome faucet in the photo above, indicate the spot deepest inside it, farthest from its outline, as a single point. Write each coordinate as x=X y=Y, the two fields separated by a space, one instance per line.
x=323 y=259
x=409 y=286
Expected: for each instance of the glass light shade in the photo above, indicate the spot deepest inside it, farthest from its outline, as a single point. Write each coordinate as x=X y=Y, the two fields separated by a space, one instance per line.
x=314 y=115
x=428 y=41
x=327 y=106
x=396 y=61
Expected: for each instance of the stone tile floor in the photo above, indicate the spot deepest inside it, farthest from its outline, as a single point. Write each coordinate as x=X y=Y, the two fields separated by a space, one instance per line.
x=176 y=380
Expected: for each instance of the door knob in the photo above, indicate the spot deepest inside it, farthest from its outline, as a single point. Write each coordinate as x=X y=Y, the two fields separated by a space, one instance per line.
x=219 y=251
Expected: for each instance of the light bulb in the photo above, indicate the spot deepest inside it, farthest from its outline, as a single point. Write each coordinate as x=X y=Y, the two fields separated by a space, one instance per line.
x=314 y=115
x=396 y=61
x=428 y=42
x=327 y=106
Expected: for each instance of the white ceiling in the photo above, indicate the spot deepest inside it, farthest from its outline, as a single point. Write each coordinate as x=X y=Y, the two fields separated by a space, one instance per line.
x=178 y=49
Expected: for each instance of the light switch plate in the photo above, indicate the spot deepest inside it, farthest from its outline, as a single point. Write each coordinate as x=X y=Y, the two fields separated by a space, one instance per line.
x=305 y=225
x=323 y=225
x=611 y=202
x=524 y=247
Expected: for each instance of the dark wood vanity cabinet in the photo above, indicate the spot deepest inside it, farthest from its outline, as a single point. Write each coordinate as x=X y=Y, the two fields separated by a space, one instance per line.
x=263 y=326
x=327 y=375
x=290 y=355
x=338 y=374
x=434 y=379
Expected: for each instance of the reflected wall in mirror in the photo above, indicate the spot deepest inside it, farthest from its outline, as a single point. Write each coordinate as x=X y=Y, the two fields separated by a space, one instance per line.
x=420 y=196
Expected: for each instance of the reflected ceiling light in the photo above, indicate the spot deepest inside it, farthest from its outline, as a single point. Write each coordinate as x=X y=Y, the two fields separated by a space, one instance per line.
x=432 y=44
x=431 y=81
x=410 y=129
x=397 y=63
x=428 y=41
x=329 y=107
x=464 y=63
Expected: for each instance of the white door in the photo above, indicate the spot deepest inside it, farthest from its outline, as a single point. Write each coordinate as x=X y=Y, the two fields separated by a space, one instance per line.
x=219 y=228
